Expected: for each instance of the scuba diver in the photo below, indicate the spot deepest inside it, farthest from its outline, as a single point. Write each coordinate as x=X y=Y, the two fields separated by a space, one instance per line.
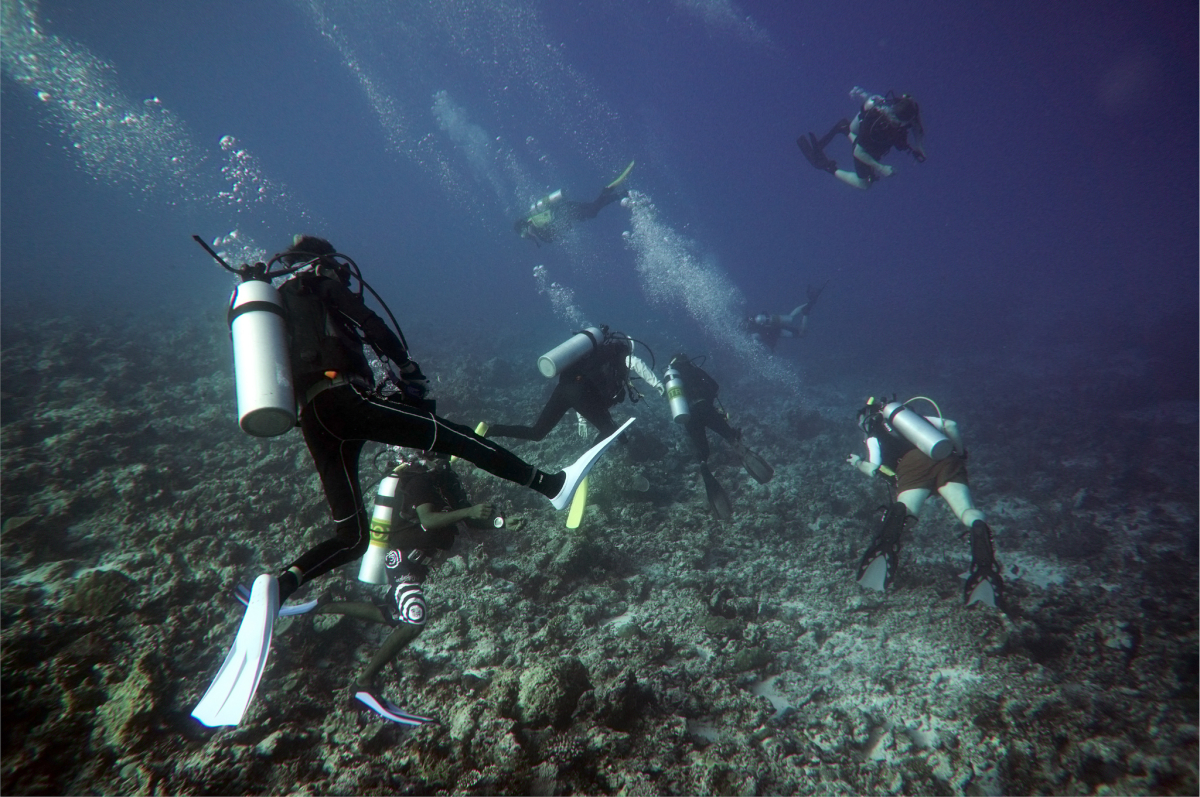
x=768 y=329
x=881 y=124
x=917 y=455
x=594 y=368
x=420 y=509
x=316 y=327
x=552 y=215
x=692 y=394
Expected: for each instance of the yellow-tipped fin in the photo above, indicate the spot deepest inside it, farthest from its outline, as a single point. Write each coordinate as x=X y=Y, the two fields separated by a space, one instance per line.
x=578 y=504
x=621 y=177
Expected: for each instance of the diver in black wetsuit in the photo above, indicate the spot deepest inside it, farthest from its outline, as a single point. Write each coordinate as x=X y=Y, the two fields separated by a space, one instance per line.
x=342 y=408
x=552 y=215
x=768 y=329
x=883 y=123
x=592 y=386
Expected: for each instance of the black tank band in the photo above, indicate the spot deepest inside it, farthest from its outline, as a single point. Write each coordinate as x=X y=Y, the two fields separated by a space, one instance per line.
x=250 y=307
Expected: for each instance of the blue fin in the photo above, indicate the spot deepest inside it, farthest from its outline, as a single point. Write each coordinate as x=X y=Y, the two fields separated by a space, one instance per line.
x=389 y=710
x=242 y=593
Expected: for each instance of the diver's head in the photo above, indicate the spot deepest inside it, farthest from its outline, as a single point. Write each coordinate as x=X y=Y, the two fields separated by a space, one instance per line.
x=306 y=248
x=422 y=460
x=874 y=404
x=762 y=319
x=905 y=109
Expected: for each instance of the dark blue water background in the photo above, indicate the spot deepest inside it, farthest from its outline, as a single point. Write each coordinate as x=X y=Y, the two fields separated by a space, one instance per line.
x=1055 y=221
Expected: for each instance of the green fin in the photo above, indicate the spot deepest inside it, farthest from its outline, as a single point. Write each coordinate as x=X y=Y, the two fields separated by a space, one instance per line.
x=621 y=177
x=231 y=691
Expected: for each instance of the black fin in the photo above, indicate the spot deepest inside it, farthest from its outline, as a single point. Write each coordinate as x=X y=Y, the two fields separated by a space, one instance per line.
x=984 y=567
x=886 y=544
x=756 y=466
x=718 y=499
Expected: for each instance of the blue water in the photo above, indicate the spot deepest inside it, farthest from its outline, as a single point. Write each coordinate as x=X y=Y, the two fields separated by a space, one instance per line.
x=1037 y=275
x=1056 y=212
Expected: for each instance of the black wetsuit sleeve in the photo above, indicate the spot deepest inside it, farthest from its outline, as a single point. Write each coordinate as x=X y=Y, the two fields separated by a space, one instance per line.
x=376 y=333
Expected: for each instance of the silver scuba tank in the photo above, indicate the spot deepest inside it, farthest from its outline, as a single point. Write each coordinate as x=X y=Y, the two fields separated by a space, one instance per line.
x=570 y=351
x=681 y=409
x=262 y=370
x=918 y=431
x=545 y=202
x=373 y=567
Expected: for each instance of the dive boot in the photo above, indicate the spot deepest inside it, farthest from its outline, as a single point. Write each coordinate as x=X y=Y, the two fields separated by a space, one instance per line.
x=877 y=569
x=984 y=584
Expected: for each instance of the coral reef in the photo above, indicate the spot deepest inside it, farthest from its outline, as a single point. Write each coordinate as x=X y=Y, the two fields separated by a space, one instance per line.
x=653 y=650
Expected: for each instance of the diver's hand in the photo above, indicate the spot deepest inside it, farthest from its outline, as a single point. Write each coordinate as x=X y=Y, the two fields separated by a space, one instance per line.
x=481 y=512
x=867 y=468
x=885 y=170
x=412 y=382
x=918 y=156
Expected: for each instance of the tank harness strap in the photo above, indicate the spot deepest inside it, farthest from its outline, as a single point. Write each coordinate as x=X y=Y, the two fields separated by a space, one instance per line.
x=325 y=384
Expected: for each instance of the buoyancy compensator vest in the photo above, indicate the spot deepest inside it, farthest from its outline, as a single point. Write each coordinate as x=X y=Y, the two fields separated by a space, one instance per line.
x=318 y=341
x=606 y=368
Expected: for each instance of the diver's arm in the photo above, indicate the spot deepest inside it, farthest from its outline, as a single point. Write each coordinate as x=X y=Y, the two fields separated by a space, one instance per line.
x=951 y=429
x=870 y=465
x=643 y=371
x=377 y=334
x=431 y=519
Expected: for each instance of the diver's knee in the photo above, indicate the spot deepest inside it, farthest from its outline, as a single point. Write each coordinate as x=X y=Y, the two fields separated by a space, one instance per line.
x=411 y=608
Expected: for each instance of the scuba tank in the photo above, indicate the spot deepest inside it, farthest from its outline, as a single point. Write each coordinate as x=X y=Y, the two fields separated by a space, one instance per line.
x=918 y=431
x=373 y=568
x=262 y=369
x=570 y=351
x=543 y=204
x=681 y=410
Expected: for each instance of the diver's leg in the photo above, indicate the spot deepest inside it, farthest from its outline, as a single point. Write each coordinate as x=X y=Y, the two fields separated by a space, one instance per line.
x=391 y=647
x=914 y=500
x=359 y=610
x=958 y=496
x=336 y=461
x=840 y=129
x=878 y=566
x=391 y=422
x=852 y=179
x=594 y=411
x=561 y=400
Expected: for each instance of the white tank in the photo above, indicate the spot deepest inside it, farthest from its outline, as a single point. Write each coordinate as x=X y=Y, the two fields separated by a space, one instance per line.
x=372 y=569
x=569 y=352
x=262 y=370
x=681 y=409
x=918 y=431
